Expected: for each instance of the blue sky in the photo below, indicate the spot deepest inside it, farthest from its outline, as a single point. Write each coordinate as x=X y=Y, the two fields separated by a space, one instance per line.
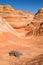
x=26 y=5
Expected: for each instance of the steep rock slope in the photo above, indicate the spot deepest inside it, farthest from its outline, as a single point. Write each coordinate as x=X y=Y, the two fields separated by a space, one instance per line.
x=39 y=16
x=38 y=21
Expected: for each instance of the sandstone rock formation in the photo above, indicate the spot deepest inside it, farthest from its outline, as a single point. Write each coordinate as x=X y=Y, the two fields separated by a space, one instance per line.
x=16 y=18
x=31 y=47
x=38 y=19
x=39 y=16
x=17 y=30
x=22 y=21
x=35 y=24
